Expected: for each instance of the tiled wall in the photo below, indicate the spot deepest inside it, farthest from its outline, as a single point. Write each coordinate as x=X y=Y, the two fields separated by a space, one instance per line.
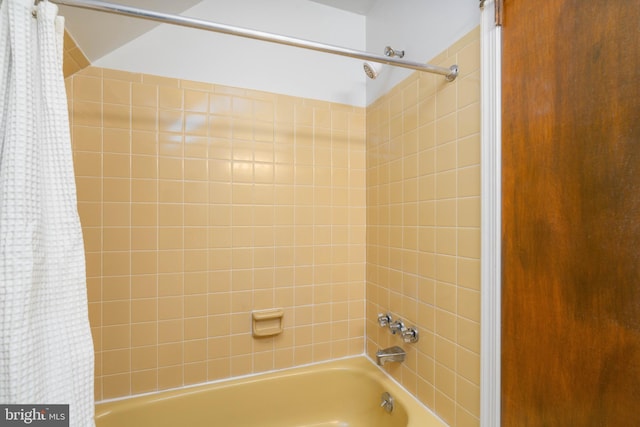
x=423 y=231
x=74 y=59
x=201 y=203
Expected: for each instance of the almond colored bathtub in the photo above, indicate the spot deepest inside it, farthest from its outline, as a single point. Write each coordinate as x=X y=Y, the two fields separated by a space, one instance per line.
x=343 y=393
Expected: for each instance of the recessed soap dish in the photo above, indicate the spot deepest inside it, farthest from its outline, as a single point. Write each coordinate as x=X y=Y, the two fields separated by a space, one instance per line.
x=266 y=323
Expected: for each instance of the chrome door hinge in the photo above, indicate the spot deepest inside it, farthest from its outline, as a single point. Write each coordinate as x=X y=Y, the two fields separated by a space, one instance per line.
x=499 y=6
x=498 y=11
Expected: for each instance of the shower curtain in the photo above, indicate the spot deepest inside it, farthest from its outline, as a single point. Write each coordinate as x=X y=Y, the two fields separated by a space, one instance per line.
x=46 y=350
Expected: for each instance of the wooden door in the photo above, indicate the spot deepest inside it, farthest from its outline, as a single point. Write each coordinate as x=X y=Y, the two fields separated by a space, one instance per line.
x=571 y=213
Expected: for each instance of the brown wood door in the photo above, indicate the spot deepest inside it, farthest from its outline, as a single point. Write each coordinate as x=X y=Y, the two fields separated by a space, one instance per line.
x=571 y=213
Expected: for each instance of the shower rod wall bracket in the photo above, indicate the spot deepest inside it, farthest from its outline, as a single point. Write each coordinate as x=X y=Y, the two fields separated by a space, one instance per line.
x=453 y=74
x=184 y=21
x=391 y=52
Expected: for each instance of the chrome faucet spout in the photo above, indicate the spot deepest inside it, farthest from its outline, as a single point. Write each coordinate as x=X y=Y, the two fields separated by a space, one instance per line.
x=391 y=354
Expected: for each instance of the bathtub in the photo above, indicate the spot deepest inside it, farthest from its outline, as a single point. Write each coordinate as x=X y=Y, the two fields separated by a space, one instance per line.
x=343 y=393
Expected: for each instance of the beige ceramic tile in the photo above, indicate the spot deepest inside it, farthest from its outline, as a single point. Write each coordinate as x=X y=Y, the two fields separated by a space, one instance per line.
x=116 y=92
x=87 y=88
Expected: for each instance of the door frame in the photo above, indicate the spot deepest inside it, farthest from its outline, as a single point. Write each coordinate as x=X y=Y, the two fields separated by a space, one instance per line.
x=490 y=227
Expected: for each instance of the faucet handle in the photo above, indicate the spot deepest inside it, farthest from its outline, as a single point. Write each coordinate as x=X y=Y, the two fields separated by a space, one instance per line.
x=410 y=335
x=384 y=319
x=387 y=402
x=396 y=327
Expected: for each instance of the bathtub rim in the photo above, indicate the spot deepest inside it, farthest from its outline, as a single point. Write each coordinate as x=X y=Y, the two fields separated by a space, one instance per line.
x=361 y=363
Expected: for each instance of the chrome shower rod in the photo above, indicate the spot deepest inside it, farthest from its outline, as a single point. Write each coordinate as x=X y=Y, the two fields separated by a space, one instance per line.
x=120 y=9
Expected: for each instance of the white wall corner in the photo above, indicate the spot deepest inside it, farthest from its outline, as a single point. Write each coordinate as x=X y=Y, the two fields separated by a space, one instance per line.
x=422 y=29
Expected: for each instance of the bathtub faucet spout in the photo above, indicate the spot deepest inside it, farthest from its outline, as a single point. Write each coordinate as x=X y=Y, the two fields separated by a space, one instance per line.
x=391 y=354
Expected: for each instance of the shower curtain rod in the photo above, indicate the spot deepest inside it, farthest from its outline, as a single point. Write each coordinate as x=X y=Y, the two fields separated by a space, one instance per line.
x=450 y=73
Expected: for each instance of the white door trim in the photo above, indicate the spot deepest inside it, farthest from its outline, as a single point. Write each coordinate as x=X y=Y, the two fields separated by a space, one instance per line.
x=491 y=166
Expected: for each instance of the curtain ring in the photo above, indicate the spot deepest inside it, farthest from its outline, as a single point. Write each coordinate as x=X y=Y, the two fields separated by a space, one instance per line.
x=34 y=9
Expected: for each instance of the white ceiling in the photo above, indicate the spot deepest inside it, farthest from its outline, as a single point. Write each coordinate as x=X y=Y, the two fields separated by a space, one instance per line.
x=98 y=33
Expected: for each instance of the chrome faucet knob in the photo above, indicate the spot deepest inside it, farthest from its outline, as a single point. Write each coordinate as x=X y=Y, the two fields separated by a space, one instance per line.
x=410 y=335
x=396 y=327
x=384 y=319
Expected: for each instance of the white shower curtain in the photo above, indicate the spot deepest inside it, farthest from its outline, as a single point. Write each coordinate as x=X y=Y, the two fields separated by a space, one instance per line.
x=46 y=351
